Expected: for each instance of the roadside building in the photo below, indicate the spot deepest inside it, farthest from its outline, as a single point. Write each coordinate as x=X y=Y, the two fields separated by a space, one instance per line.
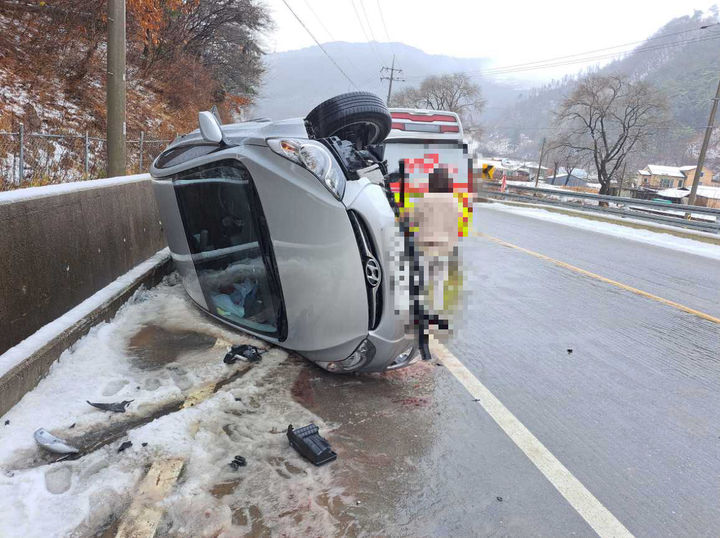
x=705 y=196
x=708 y=197
x=656 y=176
x=676 y=196
x=568 y=180
x=706 y=178
x=532 y=168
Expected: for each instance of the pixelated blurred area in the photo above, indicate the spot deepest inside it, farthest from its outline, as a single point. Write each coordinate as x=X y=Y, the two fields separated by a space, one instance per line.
x=433 y=193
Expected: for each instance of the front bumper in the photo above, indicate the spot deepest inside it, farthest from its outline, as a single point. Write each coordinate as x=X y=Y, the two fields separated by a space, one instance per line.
x=390 y=336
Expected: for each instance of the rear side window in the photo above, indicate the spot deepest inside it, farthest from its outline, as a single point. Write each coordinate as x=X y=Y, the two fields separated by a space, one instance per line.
x=230 y=246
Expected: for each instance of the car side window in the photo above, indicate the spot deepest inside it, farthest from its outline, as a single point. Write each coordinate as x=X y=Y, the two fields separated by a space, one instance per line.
x=230 y=245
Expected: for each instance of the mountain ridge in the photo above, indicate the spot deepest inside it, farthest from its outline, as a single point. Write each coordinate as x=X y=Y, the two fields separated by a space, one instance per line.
x=300 y=70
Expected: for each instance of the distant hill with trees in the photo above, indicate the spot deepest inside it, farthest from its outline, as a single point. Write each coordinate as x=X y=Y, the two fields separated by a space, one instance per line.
x=295 y=81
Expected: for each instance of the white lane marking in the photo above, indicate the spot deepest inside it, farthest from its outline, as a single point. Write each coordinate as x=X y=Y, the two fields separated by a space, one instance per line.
x=584 y=502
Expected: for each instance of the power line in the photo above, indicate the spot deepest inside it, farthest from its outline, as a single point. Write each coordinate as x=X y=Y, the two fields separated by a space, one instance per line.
x=369 y=25
x=387 y=34
x=604 y=49
x=503 y=71
x=319 y=20
x=362 y=27
x=319 y=45
x=561 y=60
x=382 y=18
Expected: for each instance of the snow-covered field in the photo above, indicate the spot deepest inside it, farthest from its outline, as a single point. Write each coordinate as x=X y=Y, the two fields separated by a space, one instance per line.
x=148 y=355
x=649 y=237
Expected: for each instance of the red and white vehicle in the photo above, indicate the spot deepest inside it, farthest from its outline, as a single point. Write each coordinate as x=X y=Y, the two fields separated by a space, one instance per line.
x=423 y=140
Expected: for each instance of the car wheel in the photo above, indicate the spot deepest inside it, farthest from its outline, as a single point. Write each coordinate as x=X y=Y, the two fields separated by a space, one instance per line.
x=359 y=117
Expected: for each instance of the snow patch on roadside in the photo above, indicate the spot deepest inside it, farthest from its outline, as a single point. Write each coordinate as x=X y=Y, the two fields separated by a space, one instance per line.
x=277 y=491
x=689 y=246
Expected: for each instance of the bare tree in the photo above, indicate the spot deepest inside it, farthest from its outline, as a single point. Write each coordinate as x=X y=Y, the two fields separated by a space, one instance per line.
x=456 y=93
x=562 y=155
x=607 y=117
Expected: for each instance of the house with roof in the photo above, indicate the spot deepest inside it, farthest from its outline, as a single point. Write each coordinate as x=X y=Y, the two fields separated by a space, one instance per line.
x=706 y=196
x=706 y=177
x=656 y=176
x=562 y=178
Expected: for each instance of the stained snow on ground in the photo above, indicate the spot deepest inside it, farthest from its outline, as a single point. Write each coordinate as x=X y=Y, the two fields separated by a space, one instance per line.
x=246 y=417
x=657 y=239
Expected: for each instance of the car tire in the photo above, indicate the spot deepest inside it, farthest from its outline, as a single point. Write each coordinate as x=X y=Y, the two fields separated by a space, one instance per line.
x=360 y=117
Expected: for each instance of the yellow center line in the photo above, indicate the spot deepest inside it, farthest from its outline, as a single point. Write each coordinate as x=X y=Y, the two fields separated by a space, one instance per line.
x=615 y=283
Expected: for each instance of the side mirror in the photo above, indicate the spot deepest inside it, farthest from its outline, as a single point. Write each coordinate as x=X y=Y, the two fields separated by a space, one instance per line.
x=210 y=128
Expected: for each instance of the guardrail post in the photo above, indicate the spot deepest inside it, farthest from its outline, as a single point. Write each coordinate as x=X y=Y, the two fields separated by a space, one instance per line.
x=142 y=139
x=21 y=155
x=87 y=154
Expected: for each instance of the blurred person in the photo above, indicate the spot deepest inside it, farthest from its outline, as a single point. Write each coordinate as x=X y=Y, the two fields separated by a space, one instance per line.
x=436 y=217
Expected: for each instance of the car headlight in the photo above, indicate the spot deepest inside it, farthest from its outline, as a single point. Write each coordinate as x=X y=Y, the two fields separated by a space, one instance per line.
x=314 y=157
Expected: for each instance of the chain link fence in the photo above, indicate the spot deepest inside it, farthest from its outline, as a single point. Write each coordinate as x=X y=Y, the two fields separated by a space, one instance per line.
x=30 y=159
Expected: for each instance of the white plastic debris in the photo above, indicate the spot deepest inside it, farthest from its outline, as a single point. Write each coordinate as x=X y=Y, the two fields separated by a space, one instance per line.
x=54 y=444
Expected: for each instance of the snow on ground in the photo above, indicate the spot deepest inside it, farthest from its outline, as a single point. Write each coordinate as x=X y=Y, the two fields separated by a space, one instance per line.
x=674 y=213
x=657 y=239
x=31 y=193
x=246 y=417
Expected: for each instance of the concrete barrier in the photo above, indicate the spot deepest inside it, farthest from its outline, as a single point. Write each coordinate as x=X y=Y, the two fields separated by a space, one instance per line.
x=23 y=366
x=59 y=244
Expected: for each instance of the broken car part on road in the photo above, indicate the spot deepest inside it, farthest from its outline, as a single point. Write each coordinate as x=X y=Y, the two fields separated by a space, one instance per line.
x=243 y=352
x=310 y=444
x=116 y=407
x=54 y=444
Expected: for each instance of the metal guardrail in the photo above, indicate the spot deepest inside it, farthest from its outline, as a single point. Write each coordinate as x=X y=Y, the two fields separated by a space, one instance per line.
x=616 y=205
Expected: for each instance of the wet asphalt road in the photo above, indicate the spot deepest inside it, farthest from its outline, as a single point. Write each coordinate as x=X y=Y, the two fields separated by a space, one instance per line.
x=632 y=412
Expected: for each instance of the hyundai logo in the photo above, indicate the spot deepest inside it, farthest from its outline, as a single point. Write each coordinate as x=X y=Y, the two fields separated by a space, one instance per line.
x=372 y=272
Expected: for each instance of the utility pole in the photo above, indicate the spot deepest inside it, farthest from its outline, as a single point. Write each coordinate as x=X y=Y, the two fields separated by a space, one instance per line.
x=622 y=179
x=116 y=88
x=392 y=70
x=703 y=149
x=542 y=154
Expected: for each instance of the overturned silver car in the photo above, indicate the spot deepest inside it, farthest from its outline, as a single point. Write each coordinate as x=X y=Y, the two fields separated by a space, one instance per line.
x=285 y=229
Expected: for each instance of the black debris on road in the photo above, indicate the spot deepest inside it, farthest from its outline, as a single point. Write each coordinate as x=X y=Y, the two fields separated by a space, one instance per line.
x=239 y=461
x=115 y=407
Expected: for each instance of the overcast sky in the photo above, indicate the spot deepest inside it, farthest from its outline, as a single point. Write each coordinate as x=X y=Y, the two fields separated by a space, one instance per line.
x=506 y=31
